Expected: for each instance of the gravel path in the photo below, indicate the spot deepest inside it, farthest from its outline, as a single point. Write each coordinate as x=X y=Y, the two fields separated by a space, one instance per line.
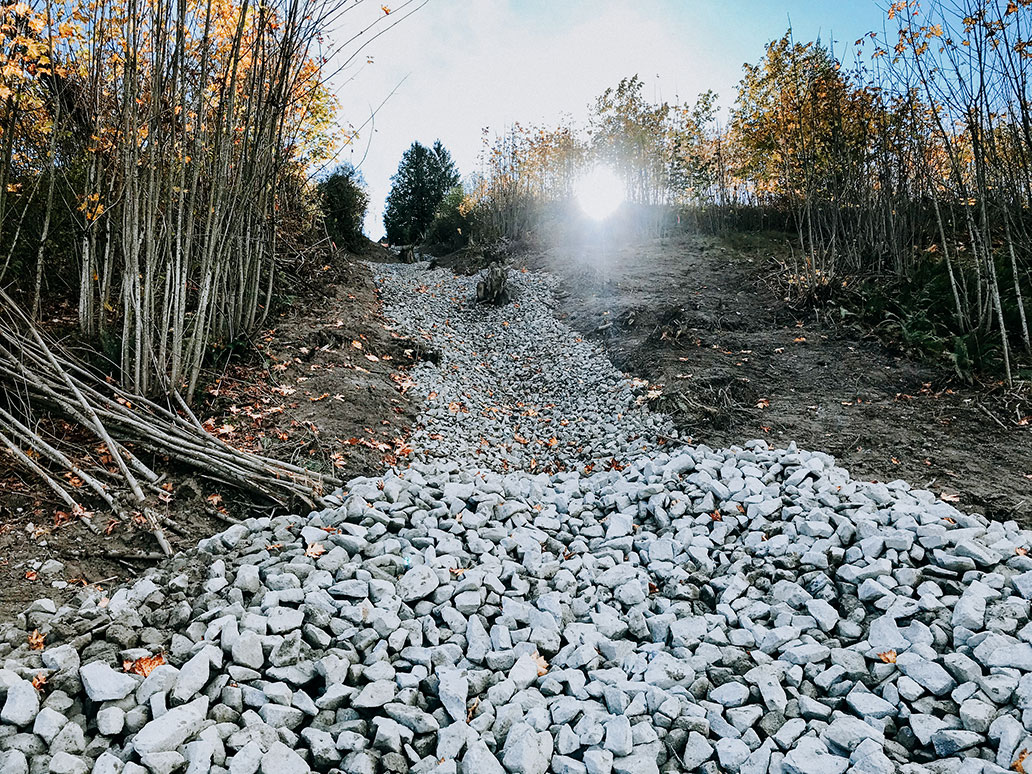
x=515 y=389
x=641 y=609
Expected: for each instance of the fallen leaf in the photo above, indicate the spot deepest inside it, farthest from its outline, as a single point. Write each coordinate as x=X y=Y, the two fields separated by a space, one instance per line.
x=888 y=657
x=143 y=666
x=542 y=665
x=315 y=550
x=36 y=640
x=31 y=575
x=39 y=681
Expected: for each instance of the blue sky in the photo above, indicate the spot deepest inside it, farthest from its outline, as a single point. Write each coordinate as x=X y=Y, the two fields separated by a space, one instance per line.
x=470 y=64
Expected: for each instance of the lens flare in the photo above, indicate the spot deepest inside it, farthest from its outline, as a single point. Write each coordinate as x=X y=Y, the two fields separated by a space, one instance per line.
x=599 y=193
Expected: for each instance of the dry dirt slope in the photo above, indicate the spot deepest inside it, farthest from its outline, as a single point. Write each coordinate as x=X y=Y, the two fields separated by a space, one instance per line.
x=323 y=385
x=697 y=316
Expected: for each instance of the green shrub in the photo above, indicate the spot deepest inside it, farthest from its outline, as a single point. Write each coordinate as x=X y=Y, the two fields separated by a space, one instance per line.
x=450 y=228
x=344 y=204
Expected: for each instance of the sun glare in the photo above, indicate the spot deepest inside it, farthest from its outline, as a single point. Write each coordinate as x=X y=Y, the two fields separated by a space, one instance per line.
x=599 y=193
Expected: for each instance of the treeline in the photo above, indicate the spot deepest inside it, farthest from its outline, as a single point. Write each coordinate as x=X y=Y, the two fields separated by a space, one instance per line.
x=156 y=192
x=154 y=165
x=905 y=175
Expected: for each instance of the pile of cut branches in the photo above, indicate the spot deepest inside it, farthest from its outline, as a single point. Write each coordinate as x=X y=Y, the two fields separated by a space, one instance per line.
x=38 y=373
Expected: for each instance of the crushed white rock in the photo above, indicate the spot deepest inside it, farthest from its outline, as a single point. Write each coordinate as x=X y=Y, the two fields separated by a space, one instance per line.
x=748 y=609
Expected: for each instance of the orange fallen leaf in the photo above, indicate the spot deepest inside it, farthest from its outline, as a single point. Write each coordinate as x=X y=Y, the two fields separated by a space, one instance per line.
x=1019 y=762
x=542 y=665
x=143 y=666
x=36 y=640
x=273 y=546
x=314 y=550
x=39 y=681
x=888 y=657
x=31 y=575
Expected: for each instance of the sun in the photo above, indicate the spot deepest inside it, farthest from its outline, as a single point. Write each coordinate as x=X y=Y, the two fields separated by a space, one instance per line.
x=599 y=193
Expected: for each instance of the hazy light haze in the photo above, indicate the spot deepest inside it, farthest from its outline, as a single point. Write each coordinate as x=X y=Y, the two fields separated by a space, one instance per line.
x=472 y=64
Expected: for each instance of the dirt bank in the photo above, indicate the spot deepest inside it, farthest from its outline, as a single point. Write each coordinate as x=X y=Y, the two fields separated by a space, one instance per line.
x=323 y=385
x=703 y=318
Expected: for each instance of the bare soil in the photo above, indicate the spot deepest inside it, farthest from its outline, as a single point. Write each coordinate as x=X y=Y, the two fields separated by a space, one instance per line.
x=705 y=318
x=323 y=385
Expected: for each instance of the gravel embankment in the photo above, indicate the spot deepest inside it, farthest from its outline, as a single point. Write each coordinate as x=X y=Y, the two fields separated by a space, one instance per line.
x=642 y=609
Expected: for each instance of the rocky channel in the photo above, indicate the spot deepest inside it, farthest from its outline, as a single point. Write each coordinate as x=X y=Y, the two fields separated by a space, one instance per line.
x=554 y=584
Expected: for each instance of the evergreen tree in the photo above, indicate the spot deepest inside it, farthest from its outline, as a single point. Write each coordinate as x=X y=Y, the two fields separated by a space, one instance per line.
x=344 y=203
x=424 y=176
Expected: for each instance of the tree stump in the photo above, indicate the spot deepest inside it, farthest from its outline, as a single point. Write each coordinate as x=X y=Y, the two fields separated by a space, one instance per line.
x=493 y=288
x=407 y=254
